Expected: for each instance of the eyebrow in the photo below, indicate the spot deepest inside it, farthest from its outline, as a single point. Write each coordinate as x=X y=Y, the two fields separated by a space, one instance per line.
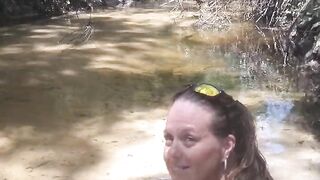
x=188 y=130
x=184 y=130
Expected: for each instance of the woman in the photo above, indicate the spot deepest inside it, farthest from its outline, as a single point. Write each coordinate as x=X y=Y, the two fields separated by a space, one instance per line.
x=210 y=136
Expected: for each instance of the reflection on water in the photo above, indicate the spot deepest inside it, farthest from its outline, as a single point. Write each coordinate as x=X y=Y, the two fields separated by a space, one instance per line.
x=92 y=110
x=274 y=148
x=276 y=111
x=284 y=143
x=270 y=124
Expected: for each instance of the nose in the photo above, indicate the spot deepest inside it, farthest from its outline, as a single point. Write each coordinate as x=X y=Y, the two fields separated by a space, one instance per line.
x=174 y=151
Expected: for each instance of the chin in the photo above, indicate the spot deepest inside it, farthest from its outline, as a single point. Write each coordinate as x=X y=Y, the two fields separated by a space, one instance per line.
x=182 y=175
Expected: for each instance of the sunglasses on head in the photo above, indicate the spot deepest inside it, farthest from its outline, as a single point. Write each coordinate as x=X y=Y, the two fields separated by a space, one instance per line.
x=207 y=89
x=212 y=92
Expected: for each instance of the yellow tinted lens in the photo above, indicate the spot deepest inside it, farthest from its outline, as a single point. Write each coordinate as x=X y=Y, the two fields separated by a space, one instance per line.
x=207 y=90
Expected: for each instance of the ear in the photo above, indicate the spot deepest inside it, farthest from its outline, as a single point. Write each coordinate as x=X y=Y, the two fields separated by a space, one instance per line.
x=229 y=144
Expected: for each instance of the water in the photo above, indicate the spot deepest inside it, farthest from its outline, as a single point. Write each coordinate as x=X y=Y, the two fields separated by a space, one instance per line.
x=271 y=122
x=93 y=110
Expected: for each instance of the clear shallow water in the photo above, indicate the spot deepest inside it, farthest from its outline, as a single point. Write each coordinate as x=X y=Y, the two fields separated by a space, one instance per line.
x=271 y=123
x=89 y=111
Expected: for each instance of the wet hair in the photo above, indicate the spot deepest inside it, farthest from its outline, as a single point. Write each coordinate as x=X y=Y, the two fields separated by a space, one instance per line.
x=231 y=117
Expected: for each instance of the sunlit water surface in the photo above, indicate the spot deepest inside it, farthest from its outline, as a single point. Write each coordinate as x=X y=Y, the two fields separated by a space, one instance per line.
x=97 y=110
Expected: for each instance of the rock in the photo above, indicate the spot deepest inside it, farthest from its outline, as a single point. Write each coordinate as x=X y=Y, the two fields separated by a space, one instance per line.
x=315 y=29
x=313 y=65
x=308 y=55
x=305 y=24
x=316 y=49
x=303 y=46
x=111 y=3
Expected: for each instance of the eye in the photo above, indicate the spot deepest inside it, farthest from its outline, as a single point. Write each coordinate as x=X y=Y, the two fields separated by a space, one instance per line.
x=189 y=141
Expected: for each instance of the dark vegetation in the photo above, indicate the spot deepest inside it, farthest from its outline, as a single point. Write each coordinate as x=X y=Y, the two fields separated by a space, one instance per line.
x=16 y=11
x=295 y=28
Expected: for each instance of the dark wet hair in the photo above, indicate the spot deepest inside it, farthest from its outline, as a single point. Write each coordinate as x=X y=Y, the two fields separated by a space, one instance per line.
x=246 y=161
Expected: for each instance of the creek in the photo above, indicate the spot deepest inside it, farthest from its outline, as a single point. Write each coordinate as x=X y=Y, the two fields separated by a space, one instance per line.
x=97 y=110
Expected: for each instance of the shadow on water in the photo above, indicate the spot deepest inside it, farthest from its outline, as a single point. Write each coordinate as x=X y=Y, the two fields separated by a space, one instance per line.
x=48 y=92
x=56 y=98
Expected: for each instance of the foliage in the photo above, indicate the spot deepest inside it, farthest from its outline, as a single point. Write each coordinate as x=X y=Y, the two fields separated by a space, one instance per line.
x=295 y=24
x=20 y=8
x=291 y=29
x=211 y=14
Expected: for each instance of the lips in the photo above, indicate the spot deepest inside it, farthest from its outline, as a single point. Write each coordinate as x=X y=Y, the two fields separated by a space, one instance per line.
x=180 y=167
x=184 y=167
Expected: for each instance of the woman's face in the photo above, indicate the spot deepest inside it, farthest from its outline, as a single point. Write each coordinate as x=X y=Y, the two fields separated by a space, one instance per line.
x=192 y=152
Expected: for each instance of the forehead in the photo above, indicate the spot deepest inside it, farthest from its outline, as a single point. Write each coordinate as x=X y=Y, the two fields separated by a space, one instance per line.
x=185 y=114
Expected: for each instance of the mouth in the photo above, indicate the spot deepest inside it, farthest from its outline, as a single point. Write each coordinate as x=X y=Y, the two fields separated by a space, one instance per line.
x=181 y=167
x=184 y=167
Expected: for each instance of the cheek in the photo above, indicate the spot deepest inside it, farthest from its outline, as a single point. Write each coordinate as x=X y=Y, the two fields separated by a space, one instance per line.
x=207 y=156
x=168 y=159
x=165 y=156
